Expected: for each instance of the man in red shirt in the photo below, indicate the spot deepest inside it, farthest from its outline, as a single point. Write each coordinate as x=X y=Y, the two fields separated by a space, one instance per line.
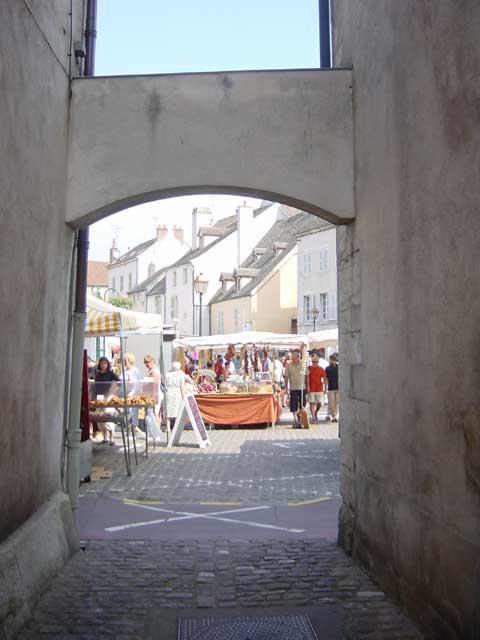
x=315 y=387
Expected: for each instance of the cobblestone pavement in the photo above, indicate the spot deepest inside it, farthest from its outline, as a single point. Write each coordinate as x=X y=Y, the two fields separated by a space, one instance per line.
x=109 y=589
x=277 y=465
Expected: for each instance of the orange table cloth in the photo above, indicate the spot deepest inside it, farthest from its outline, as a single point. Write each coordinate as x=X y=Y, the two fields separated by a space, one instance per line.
x=237 y=408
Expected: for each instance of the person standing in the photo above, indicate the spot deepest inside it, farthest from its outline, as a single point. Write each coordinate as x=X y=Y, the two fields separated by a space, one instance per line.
x=295 y=379
x=174 y=382
x=104 y=379
x=132 y=377
x=219 y=369
x=153 y=372
x=315 y=387
x=331 y=373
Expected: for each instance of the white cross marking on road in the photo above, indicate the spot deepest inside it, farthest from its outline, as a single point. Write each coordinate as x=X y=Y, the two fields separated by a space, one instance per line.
x=187 y=515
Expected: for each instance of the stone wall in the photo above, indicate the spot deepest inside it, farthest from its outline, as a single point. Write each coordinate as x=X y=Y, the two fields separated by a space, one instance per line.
x=35 y=256
x=409 y=277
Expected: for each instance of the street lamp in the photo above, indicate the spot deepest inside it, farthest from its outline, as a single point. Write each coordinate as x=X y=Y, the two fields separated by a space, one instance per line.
x=201 y=287
x=315 y=314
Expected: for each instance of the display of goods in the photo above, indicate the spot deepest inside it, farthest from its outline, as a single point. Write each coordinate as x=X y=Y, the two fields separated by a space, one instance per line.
x=116 y=401
x=226 y=387
x=207 y=387
x=260 y=387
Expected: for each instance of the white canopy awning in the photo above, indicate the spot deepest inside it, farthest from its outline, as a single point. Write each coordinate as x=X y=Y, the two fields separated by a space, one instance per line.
x=325 y=338
x=248 y=338
x=104 y=319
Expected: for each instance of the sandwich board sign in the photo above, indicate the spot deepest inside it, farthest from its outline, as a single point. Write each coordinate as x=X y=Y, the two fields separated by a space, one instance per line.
x=190 y=409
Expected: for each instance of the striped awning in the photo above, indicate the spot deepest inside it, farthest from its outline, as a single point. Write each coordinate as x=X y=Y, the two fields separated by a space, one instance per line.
x=100 y=323
x=104 y=319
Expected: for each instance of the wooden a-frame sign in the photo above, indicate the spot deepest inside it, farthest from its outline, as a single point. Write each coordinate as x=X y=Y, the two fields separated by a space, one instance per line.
x=189 y=409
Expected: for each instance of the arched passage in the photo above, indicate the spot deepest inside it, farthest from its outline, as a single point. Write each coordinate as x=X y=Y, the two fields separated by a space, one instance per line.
x=286 y=134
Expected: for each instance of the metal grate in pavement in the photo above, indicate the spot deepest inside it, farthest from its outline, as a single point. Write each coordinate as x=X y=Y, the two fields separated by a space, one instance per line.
x=287 y=627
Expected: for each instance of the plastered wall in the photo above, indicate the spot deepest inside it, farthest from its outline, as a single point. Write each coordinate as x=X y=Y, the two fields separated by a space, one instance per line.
x=35 y=252
x=409 y=277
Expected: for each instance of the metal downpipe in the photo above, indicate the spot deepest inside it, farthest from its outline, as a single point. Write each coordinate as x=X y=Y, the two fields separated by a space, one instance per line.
x=80 y=312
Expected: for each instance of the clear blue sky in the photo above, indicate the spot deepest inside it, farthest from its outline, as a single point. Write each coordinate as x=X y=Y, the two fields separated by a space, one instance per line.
x=165 y=36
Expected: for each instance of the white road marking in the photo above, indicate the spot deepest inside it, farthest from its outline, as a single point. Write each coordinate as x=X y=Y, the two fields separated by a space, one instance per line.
x=186 y=515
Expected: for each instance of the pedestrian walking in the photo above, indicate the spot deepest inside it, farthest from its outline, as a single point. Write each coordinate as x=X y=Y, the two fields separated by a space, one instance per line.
x=315 y=386
x=331 y=373
x=295 y=378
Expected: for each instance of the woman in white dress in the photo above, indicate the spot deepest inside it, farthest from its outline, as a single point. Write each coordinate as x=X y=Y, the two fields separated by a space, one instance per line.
x=175 y=381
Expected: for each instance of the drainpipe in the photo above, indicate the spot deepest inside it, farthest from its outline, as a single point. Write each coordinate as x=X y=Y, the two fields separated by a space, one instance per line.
x=80 y=310
x=324 y=20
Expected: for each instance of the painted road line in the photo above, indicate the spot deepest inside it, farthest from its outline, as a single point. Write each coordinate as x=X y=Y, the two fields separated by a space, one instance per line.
x=185 y=515
x=255 y=524
x=312 y=501
x=220 y=504
x=131 y=501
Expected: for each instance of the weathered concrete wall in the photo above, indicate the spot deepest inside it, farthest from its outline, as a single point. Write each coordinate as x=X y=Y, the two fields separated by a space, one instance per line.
x=409 y=281
x=282 y=135
x=35 y=252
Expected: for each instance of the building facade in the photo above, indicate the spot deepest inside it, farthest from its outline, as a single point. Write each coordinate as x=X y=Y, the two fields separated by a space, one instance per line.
x=145 y=260
x=216 y=248
x=317 y=280
x=261 y=294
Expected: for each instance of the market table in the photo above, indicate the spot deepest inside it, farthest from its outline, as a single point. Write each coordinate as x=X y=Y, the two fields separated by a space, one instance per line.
x=238 y=408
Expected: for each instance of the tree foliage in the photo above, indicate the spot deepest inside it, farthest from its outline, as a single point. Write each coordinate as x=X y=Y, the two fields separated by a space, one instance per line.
x=124 y=303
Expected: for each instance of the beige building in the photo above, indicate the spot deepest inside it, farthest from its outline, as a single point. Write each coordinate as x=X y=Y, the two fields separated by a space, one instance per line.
x=261 y=294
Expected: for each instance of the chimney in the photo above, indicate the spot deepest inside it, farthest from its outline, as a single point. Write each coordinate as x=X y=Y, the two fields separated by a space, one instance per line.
x=114 y=252
x=201 y=217
x=244 y=228
x=162 y=232
x=178 y=233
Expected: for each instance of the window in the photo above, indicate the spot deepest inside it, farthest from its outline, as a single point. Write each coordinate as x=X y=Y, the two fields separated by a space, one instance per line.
x=158 y=304
x=307 y=263
x=185 y=275
x=113 y=282
x=235 y=320
x=130 y=281
x=323 y=259
x=174 y=279
x=173 y=307
x=121 y=283
x=151 y=269
x=323 y=306
x=220 y=325
x=332 y=305
x=307 y=308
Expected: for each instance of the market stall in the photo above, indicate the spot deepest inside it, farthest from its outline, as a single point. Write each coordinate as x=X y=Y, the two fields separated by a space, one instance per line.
x=246 y=396
x=326 y=340
x=118 y=400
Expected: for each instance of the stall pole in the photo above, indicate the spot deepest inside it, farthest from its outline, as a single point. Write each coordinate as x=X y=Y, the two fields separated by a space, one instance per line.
x=163 y=404
x=125 y=405
x=73 y=431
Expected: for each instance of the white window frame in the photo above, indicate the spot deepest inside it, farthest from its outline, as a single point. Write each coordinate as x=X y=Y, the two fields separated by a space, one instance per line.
x=151 y=269
x=173 y=307
x=130 y=281
x=220 y=322
x=185 y=275
x=236 y=320
x=174 y=278
x=323 y=260
x=332 y=305
x=307 y=263
x=121 y=284
x=307 y=307
x=113 y=282
x=323 y=306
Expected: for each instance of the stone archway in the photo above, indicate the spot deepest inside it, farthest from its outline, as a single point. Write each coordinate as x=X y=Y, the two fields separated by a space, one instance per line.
x=285 y=136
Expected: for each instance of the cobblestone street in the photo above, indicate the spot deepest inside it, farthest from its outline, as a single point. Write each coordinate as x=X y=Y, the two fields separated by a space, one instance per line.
x=128 y=589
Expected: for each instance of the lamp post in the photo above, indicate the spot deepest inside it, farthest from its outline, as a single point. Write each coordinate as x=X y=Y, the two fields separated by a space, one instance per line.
x=201 y=287
x=315 y=314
